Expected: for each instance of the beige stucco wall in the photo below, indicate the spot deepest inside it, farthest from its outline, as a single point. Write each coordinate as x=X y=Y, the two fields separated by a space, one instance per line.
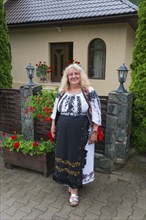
x=32 y=45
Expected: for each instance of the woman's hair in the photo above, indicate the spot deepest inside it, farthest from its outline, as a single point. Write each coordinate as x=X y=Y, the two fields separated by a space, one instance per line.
x=85 y=83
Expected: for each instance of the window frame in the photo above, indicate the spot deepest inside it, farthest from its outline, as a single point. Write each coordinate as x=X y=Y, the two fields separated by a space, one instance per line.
x=89 y=59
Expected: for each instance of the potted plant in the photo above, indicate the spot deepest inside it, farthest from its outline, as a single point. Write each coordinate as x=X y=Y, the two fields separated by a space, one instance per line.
x=33 y=155
x=42 y=70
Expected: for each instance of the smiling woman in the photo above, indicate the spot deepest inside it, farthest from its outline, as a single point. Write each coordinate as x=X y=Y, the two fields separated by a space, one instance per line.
x=75 y=138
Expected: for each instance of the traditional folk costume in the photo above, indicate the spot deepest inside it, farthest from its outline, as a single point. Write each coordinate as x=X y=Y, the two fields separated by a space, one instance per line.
x=74 y=157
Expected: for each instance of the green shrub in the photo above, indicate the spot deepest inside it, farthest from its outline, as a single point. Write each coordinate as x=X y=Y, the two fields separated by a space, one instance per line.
x=5 y=52
x=138 y=84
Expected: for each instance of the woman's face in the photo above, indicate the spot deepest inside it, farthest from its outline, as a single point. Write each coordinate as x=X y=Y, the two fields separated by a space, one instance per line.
x=74 y=77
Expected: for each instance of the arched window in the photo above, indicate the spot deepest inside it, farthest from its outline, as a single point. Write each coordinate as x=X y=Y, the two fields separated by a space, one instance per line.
x=97 y=59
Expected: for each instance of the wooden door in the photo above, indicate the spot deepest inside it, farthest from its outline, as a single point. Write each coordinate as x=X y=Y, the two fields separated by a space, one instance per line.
x=60 y=54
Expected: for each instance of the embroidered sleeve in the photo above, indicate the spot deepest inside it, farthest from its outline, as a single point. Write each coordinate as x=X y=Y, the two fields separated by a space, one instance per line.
x=96 y=106
x=54 y=112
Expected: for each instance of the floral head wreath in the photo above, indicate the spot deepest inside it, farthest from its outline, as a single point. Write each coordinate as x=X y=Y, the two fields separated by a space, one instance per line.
x=72 y=62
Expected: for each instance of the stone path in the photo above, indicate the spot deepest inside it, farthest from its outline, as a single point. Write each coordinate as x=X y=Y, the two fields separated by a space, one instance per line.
x=29 y=195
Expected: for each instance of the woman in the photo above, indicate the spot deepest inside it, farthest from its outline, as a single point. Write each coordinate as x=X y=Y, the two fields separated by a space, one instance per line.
x=75 y=138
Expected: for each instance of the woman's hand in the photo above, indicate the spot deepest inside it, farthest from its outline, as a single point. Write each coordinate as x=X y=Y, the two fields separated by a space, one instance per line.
x=53 y=128
x=93 y=135
x=92 y=138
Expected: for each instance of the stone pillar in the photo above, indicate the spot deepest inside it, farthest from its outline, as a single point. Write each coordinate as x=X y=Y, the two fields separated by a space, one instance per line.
x=26 y=115
x=118 y=127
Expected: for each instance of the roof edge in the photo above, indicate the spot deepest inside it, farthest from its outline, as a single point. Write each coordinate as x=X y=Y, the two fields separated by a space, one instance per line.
x=105 y=19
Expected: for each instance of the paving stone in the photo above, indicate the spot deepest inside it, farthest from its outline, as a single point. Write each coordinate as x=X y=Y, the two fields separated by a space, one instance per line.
x=55 y=217
x=141 y=202
x=9 y=201
x=88 y=198
x=81 y=210
x=96 y=207
x=74 y=217
x=49 y=213
x=13 y=209
x=3 y=207
x=138 y=214
x=40 y=196
x=25 y=199
x=91 y=216
x=122 y=214
x=29 y=206
x=59 y=203
x=125 y=177
x=33 y=215
x=142 y=191
x=65 y=211
x=19 y=215
x=44 y=204
x=4 y=216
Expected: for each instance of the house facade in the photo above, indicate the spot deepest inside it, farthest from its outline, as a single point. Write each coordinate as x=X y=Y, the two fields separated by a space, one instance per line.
x=100 y=34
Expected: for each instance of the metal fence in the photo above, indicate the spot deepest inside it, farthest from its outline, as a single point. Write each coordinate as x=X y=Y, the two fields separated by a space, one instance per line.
x=10 y=117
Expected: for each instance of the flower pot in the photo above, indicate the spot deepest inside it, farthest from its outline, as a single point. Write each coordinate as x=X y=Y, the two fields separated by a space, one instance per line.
x=41 y=163
x=43 y=79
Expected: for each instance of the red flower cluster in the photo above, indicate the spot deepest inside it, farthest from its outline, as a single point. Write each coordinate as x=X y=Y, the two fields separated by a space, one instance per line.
x=50 y=137
x=47 y=110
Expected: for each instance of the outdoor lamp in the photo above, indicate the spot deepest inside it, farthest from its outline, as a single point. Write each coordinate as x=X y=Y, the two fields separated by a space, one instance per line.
x=122 y=74
x=30 y=70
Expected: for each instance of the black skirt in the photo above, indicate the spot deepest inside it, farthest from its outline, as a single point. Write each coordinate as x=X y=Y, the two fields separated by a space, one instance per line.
x=70 y=154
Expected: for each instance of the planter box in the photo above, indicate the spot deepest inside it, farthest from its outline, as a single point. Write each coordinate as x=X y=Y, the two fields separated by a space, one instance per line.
x=40 y=163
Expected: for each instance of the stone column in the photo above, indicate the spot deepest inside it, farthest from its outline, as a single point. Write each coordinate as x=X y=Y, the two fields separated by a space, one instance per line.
x=26 y=115
x=118 y=127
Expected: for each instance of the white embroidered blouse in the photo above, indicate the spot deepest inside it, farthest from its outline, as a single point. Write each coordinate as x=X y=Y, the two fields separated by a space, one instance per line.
x=76 y=104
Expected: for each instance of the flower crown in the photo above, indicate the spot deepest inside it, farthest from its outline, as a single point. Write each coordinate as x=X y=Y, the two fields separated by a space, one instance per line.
x=72 y=62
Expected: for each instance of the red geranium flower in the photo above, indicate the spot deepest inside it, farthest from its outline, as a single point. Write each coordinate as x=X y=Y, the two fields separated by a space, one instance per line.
x=26 y=111
x=25 y=99
x=3 y=133
x=13 y=137
x=16 y=145
x=38 y=99
x=31 y=109
x=35 y=144
x=50 y=137
x=48 y=119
